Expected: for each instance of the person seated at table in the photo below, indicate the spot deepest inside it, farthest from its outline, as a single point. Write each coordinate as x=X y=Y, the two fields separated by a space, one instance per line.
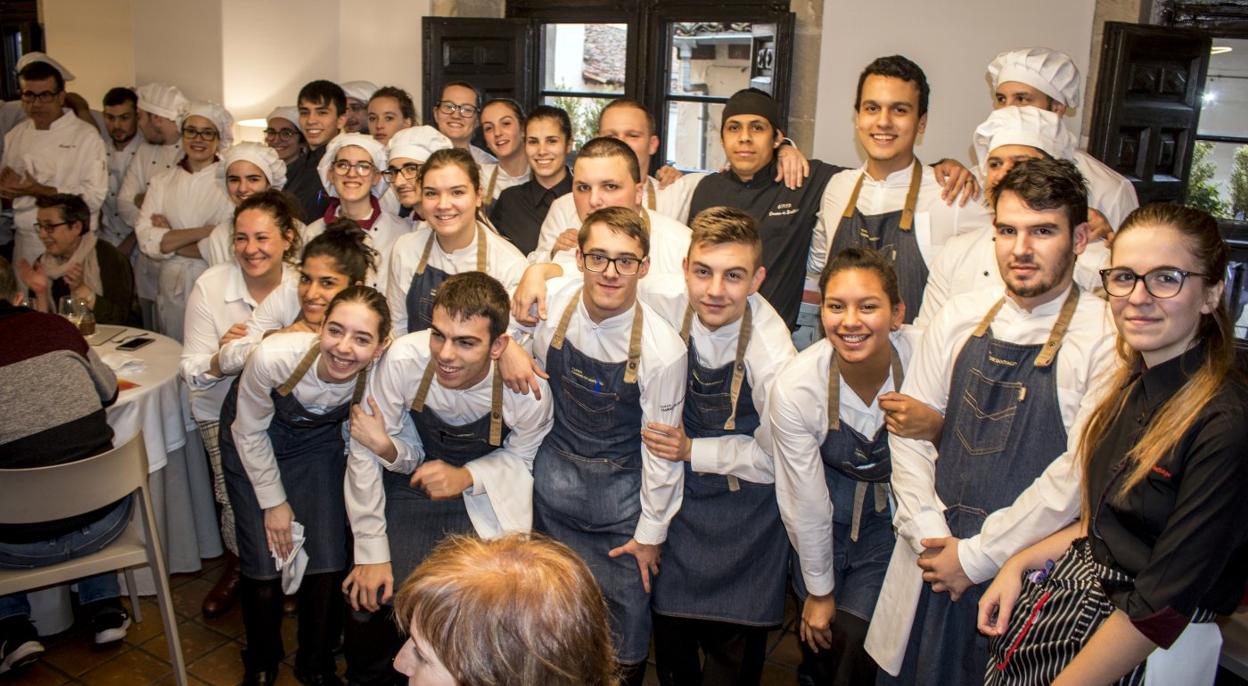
x=521 y=609
x=337 y=258
x=76 y=263
x=285 y=463
x=265 y=245
x=60 y=423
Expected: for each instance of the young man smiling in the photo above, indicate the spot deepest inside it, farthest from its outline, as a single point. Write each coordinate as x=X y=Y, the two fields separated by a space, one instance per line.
x=465 y=469
x=322 y=116
x=1012 y=369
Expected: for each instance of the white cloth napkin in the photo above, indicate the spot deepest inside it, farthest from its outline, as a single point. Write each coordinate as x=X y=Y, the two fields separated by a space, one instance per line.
x=121 y=362
x=293 y=566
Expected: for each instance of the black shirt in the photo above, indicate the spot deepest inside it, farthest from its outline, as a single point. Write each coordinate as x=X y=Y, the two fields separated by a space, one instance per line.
x=786 y=219
x=304 y=182
x=520 y=210
x=1181 y=532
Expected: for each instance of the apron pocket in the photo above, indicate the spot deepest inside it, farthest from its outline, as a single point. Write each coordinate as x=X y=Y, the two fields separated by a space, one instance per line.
x=989 y=406
x=591 y=409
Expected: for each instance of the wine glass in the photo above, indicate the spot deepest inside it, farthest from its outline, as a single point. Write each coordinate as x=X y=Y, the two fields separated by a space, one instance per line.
x=76 y=311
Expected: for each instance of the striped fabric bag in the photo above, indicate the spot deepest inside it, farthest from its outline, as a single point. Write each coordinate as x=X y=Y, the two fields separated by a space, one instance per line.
x=1057 y=612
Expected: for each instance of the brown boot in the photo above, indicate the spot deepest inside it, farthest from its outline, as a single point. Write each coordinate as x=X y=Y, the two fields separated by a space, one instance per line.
x=221 y=597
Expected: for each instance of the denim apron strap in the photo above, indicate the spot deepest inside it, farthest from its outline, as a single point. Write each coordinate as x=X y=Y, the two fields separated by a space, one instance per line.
x=987 y=320
x=907 y=210
x=561 y=330
x=651 y=201
x=496 y=409
x=738 y=369
x=361 y=385
x=302 y=368
x=1046 y=356
x=422 y=391
x=634 y=347
x=424 y=255
x=489 y=187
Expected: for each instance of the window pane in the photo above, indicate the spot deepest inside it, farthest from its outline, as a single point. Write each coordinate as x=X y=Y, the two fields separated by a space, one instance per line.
x=583 y=112
x=1218 y=182
x=1226 y=90
x=693 y=135
x=712 y=59
x=584 y=57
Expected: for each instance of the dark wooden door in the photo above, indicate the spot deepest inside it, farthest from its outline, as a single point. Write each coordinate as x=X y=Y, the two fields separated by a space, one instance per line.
x=1148 y=105
x=495 y=55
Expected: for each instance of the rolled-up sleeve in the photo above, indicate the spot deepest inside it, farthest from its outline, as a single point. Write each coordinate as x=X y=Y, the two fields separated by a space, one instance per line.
x=251 y=430
x=662 y=482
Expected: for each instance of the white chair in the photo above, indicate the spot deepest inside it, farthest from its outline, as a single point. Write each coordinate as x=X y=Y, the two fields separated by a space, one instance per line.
x=44 y=494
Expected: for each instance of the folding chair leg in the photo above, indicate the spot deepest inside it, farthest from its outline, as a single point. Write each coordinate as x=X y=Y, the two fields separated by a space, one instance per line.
x=155 y=556
x=134 y=595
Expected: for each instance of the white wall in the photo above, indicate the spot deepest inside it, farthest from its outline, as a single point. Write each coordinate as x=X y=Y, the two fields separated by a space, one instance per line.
x=178 y=42
x=381 y=42
x=94 y=39
x=953 y=43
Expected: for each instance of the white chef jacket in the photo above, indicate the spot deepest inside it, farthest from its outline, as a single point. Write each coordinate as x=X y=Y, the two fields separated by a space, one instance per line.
x=271 y=365
x=69 y=156
x=1108 y=191
x=660 y=376
x=481 y=157
x=797 y=420
x=968 y=263
x=218 y=246
x=113 y=228
x=1084 y=364
x=504 y=180
x=278 y=311
x=219 y=300
x=669 y=245
x=502 y=261
x=501 y=497
x=671 y=202
x=747 y=457
x=386 y=230
x=149 y=162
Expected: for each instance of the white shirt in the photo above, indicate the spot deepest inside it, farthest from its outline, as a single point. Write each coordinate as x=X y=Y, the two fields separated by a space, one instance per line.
x=69 y=155
x=113 y=228
x=220 y=300
x=1108 y=191
x=502 y=261
x=218 y=246
x=744 y=456
x=968 y=263
x=188 y=200
x=271 y=365
x=148 y=163
x=504 y=180
x=669 y=245
x=1084 y=364
x=480 y=156
x=278 y=311
x=671 y=202
x=660 y=376
x=501 y=497
x=386 y=230
x=798 y=424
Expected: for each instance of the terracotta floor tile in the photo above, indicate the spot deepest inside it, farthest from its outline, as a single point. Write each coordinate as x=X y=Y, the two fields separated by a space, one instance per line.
x=38 y=674
x=141 y=632
x=223 y=666
x=178 y=580
x=188 y=599
x=170 y=680
x=127 y=669
x=230 y=623
x=774 y=675
x=74 y=653
x=197 y=641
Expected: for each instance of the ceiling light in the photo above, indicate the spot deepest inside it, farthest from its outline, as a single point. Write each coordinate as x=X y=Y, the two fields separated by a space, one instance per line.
x=1220 y=50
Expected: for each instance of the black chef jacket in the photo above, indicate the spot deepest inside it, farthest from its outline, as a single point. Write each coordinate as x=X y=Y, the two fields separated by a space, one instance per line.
x=520 y=210
x=303 y=181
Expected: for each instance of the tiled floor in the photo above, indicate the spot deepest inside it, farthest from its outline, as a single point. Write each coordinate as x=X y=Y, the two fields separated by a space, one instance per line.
x=211 y=648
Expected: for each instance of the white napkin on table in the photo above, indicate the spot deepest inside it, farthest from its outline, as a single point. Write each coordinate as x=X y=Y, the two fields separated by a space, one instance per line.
x=293 y=566
x=121 y=362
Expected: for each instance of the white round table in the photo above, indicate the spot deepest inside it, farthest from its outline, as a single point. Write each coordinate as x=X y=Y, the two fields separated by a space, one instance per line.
x=155 y=405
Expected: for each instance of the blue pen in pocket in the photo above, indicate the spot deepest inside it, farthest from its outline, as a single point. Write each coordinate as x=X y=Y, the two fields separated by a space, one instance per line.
x=597 y=386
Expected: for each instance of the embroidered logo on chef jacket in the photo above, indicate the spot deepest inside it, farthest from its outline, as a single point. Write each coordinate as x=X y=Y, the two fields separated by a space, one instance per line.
x=783 y=209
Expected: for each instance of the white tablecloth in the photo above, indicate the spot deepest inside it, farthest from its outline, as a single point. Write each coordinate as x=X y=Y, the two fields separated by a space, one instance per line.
x=157 y=405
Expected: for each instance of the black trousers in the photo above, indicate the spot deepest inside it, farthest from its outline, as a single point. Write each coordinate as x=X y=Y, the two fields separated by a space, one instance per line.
x=369 y=643
x=320 y=605
x=846 y=663
x=697 y=652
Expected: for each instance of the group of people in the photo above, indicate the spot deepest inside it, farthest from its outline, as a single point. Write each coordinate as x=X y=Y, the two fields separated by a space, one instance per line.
x=1006 y=452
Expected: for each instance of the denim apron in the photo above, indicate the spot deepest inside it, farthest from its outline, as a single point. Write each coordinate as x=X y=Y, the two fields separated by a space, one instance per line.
x=312 y=460
x=726 y=554
x=856 y=470
x=424 y=287
x=587 y=475
x=1003 y=427
x=415 y=522
x=891 y=233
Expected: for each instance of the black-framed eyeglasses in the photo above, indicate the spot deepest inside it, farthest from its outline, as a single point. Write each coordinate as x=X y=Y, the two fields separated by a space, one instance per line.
x=448 y=107
x=344 y=167
x=284 y=134
x=42 y=96
x=1164 y=282
x=407 y=171
x=190 y=133
x=41 y=227
x=625 y=265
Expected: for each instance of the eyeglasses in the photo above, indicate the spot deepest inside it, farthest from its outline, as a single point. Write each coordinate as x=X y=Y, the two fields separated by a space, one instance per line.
x=1165 y=282
x=407 y=171
x=190 y=133
x=448 y=107
x=343 y=167
x=626 y=265
x=41 y=227
x=284 y=134
x=44 y=96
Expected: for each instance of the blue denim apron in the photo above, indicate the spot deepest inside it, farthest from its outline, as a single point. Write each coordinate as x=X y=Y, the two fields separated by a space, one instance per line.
x=726 y=553
x=856 y=470
x=312 y=459
x=1003 y=427
x=892 y=233
x=424 y=287
x=415 y=523
x=587 y=475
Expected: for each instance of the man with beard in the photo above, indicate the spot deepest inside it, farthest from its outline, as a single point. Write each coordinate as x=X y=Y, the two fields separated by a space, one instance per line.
x=121 y=118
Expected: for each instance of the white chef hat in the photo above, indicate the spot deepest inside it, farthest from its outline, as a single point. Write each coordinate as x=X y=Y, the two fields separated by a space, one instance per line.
x=1049 y=71
x=162 y=100
x=417 y=143
x=290 y=114
x=342 y=140
x=260 y=155
x=360 y=90
x=32 y=57
x=219 y=117
x=1032 y=126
